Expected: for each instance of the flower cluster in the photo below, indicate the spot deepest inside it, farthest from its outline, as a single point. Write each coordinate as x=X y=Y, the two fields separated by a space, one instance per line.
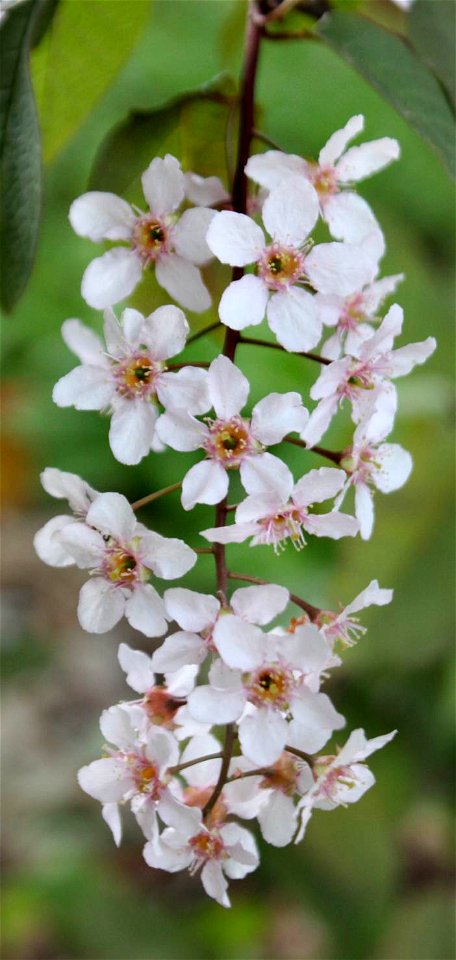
x=240 y=659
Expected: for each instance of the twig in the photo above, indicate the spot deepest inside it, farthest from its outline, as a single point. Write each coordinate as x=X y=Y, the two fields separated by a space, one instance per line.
x=277 y=346
x=190 y=763
x=226 y=758
x=334 y=455
x=263 y=137
x=155 y=496
x=202 y=333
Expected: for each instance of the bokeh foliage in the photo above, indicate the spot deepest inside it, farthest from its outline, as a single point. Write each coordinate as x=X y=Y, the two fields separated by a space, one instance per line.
x=369 y=882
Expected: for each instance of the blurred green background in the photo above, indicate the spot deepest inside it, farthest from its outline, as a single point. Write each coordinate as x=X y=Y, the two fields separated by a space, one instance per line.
x=373 y=881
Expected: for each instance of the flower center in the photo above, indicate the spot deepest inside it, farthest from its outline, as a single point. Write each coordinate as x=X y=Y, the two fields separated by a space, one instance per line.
x=136 y=375
x=150 y=238
x=229 y=441
x=208 y=845
x=283 y=525
x=324 y=180
x=270 y=686
x=283 y=775
x=281 y=266
x=121 y=567
x=353 y=313
x=160 y=706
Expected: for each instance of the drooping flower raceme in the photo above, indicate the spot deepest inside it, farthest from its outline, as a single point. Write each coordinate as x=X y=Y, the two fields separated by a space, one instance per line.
x=174 y=244
x=129 y=376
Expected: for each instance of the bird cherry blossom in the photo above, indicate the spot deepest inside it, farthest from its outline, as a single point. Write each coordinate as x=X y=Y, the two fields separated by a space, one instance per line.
x=121 y=556
x=280 y=512
x=230 y=441
x=348 y=216
x=343 y=627
x=129 y=376
x=284 y=264
x=78 y=493
x=174 y=244
x=353 y=316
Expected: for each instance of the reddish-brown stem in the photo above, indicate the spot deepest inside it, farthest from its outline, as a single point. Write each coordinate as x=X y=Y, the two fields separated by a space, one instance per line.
x=201 y=550
x=226 y=758
x=263 y=138
x=334 y=455
x=190 y=763
x=155 y=496
x=300 y=753
x=276 y=346
x=289 y=35
x=312 y=611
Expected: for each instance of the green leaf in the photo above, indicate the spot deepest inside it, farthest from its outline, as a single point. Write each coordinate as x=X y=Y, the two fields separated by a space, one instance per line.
x=393 y=69
x=19 y=152
x=193 y=127
x=432 y=31
x=86 y=48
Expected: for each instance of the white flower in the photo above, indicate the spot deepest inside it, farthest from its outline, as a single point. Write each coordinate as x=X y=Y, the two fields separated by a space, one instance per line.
x=273 y=676
x=65 y=486
x=341 y=779
x=129 y=376
x=176 y=245
x=283 y=265
x=230 y=441
x=121 y=554
x=353 y=316
x=348 y=216
x=343 y=626
x=198 y=613
x=280 y=511
x=364 y=380
x=219 y=852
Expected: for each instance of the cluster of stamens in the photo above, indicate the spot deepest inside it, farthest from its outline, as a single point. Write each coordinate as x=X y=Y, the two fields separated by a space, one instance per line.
x=270 y=686
x=284 y=525
x=135 y=376
x=324 y=180
x=230 y=441
x=207 y=845
x=281 y=266
x=150 y=238
x=353 y=313
x=121 y=567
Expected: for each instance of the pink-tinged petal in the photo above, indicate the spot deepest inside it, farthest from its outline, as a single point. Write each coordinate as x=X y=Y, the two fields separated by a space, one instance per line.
x=364 y=509
x=111 y=278
x=337 y=142
x=185 y=390
x=47 y=544
x=189 y=235
x=163 y=185
x=182 y=280
x=376 y=292
x=111 y=816
x=107 y=780
x=318 y=485
x=340 y=268
x=319 y=420
x=406 y=358
x=291 y=211
x=394 y=467
x=260 y=604
x=204 y=191
x=262 y=736
x=112 y=515
x=277 y=819
x=257 y=471
x=330 y=308
x=293 y=317
x=276 y=415
x=243 y=303
x=145 y=611
x=270 y=169
x=100 y=606
x=84 y=545
x=138 y=667
x=361 y=162
x=331 y=377
x=373 y=595
x=165 y=331
x=331 y=349
x=383 y=339
x=240 y=644
x=181 y=431
x=84 y=342
x=100 y=216
x=192 y=611
x=379 y=415
x=178 y=650
x=235 y=238
x=60 y=484
x=236 y=533
x=206 y=482
x=215 y=706
x=167 y=557
x=228 y=387
x=84 y=388
x=132 y=430
x=350 y=218
x=215 y=883
x=334 y=525
x=358 y=747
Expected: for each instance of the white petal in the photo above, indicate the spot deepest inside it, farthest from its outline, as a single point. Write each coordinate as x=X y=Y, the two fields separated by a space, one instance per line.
x=318 y=485
x=338 y=140
x=382 y=340
x=243 y=303
x=181 y=431
x=100 y=606
x=334 y=525
x=163 y=185
x=306 y=649
x=276 y=415
x=240 y=644
x=408 y=357
x=182 y=280
x=204 y=191
x=377 y=291
x=215 y=706
x=319 y=420
x=60 y=484
x=132 y=430
x=291 y=211
x=215 y=883
x=364 y=509
x=158 y=854
x=236 y=533
x=132 y=326
x=277 y=819
x=358 y=747
x=189 y=235
x=99 y=216
x=228 y=387
x=206 y=482
x=368 y=158
x=372 y=595
x=111 y=278
x=395 y=466
x=242 y=849
x=48 y=546
x=84 y=388
x=84 y=342
x=119 y=725
x=85 y=546
x=235 y=238
x=340 y=268
x=145 y=611
x=165 y=332
x=263 y=736
x=256 y=474
x=259 y=604
x=186 y=390
x=138 y=667
x=273 y=167
x=349 y=217
x=293 y=317
x=317 y=714
x=168 y=557
x=112 y=515
x=107 y=780
x=111 y=816
x=192 y=611
x=178 y=650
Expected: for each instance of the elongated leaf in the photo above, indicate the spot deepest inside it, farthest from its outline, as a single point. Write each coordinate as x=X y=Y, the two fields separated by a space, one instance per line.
x=394 y=70
x=192 y=126
x=432 y=33
x=86 y=48
x=19 y=153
